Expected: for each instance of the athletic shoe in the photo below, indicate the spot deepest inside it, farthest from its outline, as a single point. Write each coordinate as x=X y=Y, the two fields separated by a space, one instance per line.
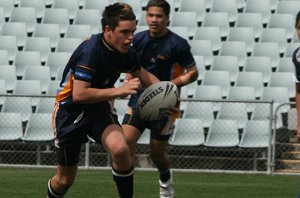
x=166 y=189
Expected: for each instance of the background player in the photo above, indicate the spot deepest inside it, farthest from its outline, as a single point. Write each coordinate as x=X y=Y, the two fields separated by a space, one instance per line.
x=82 y=108
x=296 y=60
x=167 y=56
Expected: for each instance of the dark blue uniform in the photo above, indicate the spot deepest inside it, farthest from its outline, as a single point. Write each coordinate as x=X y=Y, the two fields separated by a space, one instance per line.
x=95 y=62
x=296 y=61
x=167 y=58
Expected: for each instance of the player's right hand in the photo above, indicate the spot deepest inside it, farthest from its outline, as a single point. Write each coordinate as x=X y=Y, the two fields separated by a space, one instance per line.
x=129 y=87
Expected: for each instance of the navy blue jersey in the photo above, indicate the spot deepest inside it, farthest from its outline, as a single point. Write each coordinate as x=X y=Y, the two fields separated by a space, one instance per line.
x=166 y=57
x=95 y=62
x=296 y=61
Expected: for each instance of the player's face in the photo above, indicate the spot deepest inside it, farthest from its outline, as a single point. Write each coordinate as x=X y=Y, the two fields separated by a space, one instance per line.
x=298 y=29
x=121 y=38
x=157 y=21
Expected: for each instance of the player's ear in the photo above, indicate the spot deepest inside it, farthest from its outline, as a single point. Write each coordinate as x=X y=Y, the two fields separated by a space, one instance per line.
x=108 y=30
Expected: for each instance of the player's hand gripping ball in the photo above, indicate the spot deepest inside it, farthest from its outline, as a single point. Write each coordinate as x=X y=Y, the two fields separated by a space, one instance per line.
x=156 y=100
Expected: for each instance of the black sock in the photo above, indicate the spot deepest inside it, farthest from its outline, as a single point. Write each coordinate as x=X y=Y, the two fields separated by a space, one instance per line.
x=124 y=182
x=51 y=193
x=165 y=176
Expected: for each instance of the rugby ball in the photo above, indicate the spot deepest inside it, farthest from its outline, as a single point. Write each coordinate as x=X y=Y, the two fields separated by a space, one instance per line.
x=156 y=99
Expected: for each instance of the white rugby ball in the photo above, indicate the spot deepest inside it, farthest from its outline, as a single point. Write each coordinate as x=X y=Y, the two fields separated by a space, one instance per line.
x=156 y=100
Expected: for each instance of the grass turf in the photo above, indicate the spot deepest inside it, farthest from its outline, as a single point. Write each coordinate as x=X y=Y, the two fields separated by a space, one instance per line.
x=32 y=183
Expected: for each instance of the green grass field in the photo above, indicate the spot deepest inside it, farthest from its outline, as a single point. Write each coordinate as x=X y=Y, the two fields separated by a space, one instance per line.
x=31 y=183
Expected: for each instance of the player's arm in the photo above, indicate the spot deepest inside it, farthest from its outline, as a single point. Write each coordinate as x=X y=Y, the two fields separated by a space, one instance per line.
x=84 y=93
x=146 y=77
x=190 y=75
x=297 y=98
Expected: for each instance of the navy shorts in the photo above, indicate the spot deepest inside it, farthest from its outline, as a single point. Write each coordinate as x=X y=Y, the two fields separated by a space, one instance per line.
x=160 y=130
x=72 y=127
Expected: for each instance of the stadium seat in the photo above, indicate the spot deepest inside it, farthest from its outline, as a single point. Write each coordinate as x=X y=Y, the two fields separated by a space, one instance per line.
x=17 y=29
x=283 y=79
x=228 y=6
x=243 y=93
x=8 y=6
x=71 y=5
x=39 y=44
x=89 y=17
x=28 y=87
x=217 y=19
x=290 y=48
x=96 y=4
x=187 y=132
x=288 y=7
x=285 y=65
x=45 y=105
x=26 y=15
x=252 y=79
x=10 y=126
x=194 y=6
x=200 y=110
x=279 y=95
x=209 y=33
x=234 y=111
x=222 y=133
x=39 y=128
x=186 y=19
x=79 y=31
x=20 y=105
x=38 y=5
x=181 y=31
x=8 y=73
x=203 y=48
x=251 y=20
x=4 y=57
x=262 y=111
x=245 y=34
x=220 y=78
x=57 y=60
x=53 y=86
x=48 y=30
x=259 y=6
x=277 y=35
x=291 y=118
x=295 y=38
x=121 y=106
x=145 y=137
x=41 y=73
x=226 y=63
x=235 y=48
x=200 y=63
x=2 y=88
x=285 y=21
x=22 y=60
x=143 y=19
x=256 y=134
x=68 y=44
x=259 y=64
x=2 y=18
x=58 y=16
x=9 y=43
x=270 y=49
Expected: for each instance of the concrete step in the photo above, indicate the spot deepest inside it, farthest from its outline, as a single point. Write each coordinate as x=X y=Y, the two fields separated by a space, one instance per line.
x=288 y=171
x=292 y=164
x=291 y=155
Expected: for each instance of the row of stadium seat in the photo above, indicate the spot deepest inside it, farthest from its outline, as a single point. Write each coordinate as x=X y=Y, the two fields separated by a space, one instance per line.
x=222 y=133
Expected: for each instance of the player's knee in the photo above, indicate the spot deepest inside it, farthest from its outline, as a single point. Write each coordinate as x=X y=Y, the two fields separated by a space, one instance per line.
x=121 y=152
x=65 y=183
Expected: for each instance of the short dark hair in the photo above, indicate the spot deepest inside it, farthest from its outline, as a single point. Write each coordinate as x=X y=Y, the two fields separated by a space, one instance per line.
x=115 y=13
x=159 y=3
x=297 y=19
